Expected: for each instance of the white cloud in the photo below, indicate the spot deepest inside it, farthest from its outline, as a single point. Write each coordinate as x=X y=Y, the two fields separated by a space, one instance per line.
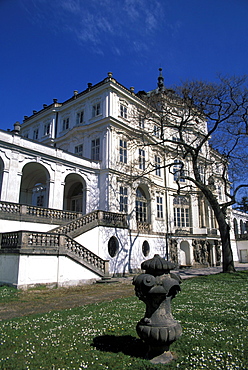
x=131 y=23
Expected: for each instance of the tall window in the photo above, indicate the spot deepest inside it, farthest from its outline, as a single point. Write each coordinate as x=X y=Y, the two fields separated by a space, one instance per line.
x=142 y=160
x=181 y=211
x=123 y=151
x=79 y=150
x=46 y=129
x=95 y=149
x=80 y=117
x=159 y=207
x=65 y=125
x=96 y=109
x=219 y=189
x=123 y=199
x=141 y=206
x=36 y=134
x=178 y=171
x=202 y=172
x=141 y=122
x=123 y=111
x=156 y=131
x=158 y=165
x=176 y=139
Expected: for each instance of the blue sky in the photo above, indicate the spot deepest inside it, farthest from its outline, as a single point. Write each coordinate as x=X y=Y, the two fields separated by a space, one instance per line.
x=49 y=48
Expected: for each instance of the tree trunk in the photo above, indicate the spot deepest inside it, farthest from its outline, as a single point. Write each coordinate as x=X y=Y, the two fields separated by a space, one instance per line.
x=228 y=264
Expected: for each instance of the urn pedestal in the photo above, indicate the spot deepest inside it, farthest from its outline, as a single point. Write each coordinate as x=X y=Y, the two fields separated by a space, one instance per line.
x=156 y=288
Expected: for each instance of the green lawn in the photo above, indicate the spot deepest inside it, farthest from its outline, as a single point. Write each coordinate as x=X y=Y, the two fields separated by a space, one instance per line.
x=213 y=312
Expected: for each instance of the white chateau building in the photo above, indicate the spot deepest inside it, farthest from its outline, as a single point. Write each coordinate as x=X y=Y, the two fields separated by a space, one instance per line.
x=77 y=205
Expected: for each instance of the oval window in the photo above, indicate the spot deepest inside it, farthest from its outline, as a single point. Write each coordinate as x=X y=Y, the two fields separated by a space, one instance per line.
x=145 y=248
x=113 y=246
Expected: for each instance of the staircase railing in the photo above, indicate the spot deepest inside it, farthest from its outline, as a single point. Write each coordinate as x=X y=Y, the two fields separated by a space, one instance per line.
x=96 y=218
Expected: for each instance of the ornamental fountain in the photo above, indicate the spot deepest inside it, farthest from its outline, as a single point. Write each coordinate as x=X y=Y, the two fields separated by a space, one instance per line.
x=156 y=288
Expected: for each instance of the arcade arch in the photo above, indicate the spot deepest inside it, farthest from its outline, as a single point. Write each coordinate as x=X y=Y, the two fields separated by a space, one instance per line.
x=34 y=188
x=75 y=193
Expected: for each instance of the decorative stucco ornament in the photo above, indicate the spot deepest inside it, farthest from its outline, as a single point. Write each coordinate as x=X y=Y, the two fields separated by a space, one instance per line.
x=156 y=288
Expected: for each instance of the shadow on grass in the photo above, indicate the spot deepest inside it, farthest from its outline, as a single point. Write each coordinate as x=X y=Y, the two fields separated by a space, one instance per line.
x=126 y=344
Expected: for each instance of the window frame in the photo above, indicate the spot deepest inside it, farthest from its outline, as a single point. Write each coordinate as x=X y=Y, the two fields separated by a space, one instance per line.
x=123 y=151
x=142 y=159
x=178 y=172
x=181 y=212
x=77 y=150
x=80 y=117
x=96 y=109
x=160 y=211
x=157 y=165
x=123 y=199
x=47 y=128
x=66 y=124
x=95 y=149
x=141 y=206
x=123 y=110
x=36 y=133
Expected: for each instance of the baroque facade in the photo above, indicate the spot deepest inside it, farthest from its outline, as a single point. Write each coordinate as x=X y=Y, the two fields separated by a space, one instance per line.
x=78 y=178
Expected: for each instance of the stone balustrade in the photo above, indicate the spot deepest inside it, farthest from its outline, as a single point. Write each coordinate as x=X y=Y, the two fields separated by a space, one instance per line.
x=26 y=212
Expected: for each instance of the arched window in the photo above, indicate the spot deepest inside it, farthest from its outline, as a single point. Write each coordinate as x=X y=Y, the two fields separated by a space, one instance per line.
x=113 y=246
x=141 y=206
x=145 y=248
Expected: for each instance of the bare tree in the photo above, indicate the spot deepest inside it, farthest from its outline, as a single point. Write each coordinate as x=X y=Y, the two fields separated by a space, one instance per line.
x=204 y=126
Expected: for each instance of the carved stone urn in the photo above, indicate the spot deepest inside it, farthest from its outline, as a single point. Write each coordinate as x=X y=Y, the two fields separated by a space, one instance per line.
x=156 y=288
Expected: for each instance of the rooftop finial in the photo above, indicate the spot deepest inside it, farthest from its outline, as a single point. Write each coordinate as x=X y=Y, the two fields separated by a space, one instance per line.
x=160 y=81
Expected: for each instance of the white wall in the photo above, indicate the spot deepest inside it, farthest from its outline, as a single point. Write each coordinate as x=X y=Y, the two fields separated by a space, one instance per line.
x=29 y=270
x=9 y=225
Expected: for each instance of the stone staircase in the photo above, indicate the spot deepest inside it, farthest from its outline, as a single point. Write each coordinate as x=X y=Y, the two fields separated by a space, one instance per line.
x=59 y=240
x=87 y=222
x=39 y=243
